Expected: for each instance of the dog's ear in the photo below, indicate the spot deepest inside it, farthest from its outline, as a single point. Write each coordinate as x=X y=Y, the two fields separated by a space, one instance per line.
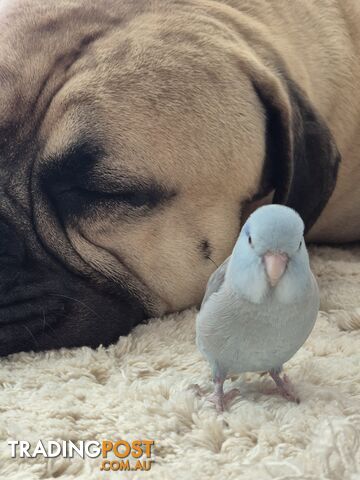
x=301 y=156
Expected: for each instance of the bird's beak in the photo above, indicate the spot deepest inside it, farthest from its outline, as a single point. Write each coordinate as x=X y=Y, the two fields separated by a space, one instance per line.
x=275 y=265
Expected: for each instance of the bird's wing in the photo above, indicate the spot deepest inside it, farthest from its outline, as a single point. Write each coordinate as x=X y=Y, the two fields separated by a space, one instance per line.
x=215 y=281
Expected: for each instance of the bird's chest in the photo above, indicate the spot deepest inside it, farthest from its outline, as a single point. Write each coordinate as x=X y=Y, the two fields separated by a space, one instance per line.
x=244 y=336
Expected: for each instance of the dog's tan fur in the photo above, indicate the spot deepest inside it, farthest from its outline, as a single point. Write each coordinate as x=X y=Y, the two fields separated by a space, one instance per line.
x=167 y=88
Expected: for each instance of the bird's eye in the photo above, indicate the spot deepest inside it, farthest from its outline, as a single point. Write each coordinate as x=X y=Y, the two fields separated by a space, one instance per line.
x=250 y=240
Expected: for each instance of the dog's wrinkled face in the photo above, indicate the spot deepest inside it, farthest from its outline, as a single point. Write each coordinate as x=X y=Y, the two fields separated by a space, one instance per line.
x=131 y=136
x=124 y=163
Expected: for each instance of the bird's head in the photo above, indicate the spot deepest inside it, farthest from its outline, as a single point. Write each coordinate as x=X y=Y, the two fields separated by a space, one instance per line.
x=271 y=240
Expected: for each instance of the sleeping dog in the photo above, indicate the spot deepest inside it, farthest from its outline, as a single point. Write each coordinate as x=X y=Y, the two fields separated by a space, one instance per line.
x=136 y=135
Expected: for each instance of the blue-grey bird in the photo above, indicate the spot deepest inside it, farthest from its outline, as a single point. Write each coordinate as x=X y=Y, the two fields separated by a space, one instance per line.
x=261 y=304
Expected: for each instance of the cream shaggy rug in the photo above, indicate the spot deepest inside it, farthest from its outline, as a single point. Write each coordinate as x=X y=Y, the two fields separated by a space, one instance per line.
x=138 y=389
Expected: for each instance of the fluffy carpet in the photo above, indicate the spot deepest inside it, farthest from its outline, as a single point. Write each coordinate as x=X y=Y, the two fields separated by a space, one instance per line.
x=138 y=389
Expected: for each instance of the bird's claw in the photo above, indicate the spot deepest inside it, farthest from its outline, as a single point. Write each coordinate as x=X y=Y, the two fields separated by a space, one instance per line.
x=285 y=387
x=194 y=387
x=289 y=396
x=222 y=401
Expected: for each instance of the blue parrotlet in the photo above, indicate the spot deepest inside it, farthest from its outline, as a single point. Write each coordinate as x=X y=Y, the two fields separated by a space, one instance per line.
x=261 y=304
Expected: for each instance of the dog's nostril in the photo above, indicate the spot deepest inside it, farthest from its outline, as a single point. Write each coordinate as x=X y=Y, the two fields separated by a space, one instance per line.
x=11 y=245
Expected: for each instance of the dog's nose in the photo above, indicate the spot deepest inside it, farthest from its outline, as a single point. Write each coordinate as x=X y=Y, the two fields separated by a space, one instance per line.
x=11 y=246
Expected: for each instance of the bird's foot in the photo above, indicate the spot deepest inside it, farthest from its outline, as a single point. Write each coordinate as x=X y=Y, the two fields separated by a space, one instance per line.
x=284 y=386
x=194 y=387
x=221 y=401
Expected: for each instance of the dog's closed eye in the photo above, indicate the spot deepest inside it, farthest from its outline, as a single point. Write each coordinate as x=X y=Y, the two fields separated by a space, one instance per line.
x=73 y=196
x=77 y=183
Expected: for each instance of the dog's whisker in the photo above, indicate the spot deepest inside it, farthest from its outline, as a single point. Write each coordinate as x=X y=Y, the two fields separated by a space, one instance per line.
x=77 y=301
x=208 y=256
x=32 y=335
x=44 y=321
x=47 y=325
